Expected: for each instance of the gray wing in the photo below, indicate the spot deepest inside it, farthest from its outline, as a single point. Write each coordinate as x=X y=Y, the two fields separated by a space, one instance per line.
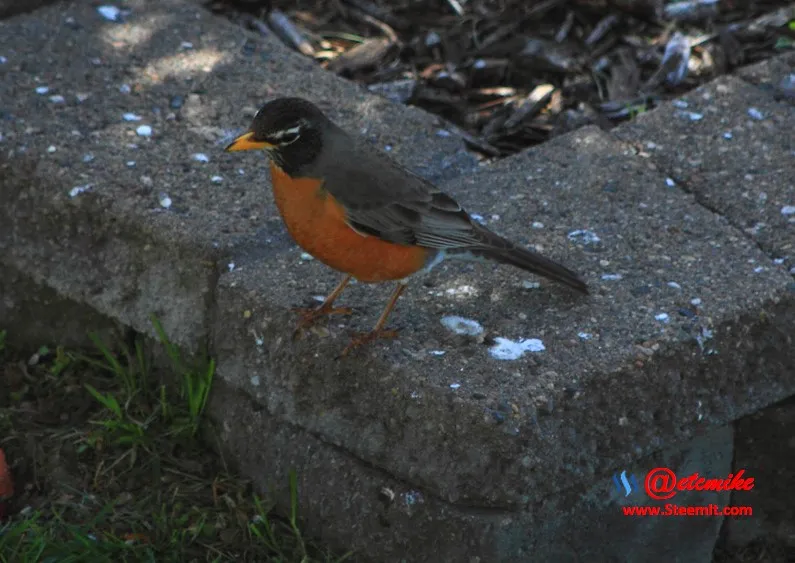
x=385 y=200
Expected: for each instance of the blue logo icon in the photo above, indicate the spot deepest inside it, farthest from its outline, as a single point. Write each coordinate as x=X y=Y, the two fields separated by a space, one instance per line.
x=625 y=484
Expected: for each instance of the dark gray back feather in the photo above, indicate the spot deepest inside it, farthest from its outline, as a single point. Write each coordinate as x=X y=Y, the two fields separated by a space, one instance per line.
x=386 y=200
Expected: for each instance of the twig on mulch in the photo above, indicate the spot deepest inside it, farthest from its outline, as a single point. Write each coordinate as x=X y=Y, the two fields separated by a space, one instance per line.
x=289 y=33
x=371 y=52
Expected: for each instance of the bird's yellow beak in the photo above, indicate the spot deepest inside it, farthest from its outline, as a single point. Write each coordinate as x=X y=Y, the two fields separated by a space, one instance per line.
x=245 y=142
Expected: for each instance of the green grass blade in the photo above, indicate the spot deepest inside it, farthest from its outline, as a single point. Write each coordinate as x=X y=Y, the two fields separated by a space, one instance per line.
x=108 y=401
x=113 y=363
x=171 y=350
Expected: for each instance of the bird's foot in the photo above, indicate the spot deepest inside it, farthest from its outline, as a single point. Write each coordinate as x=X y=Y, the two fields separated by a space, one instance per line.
x=308 y=317
x=362 y=338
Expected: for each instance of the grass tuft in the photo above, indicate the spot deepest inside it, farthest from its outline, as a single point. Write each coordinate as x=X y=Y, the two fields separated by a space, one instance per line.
x=109 y=465
x=196 y=381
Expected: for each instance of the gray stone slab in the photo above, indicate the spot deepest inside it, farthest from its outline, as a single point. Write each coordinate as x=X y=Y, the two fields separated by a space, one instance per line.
x=625 y=372
x=10 y=8
x=775 y=76
x=35 y=315
x=89 y=249
x=484 y=449
x=74 y=90
x=347 y=504
x=729 y=143
x=765 y=446
x=590 y=525
x=353 y=505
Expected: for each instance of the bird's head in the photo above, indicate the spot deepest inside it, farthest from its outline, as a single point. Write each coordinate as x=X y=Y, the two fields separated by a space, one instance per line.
x=290 y=130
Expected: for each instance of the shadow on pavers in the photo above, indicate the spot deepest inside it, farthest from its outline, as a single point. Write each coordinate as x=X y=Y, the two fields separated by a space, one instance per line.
x=119 y=197
x=115 y=131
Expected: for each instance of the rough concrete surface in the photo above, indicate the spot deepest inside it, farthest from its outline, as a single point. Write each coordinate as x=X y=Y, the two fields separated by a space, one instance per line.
x=34 y=314
x=76 y=88
x=589 y=525
x=634 y=382
x=775 y=76
x=765 y=445
x=115 y=194
x=387 y=519
x=10 y=8
x=617 y=379
x=731 y=145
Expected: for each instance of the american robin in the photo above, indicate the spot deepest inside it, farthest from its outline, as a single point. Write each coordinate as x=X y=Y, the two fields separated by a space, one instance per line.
x=356 y=210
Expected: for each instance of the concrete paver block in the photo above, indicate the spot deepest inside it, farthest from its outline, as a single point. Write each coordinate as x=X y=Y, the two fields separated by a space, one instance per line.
x=591 y=526
x=34 y=314
x=115 y=190
x=764 y=442
x=649 y=360
x=88 y=249
x=10 y=8
x=775 y=76
x=116 y=195
x=354 y=505
x=730 y=144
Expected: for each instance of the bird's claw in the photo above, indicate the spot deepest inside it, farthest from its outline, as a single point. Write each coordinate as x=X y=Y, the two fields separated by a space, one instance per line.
x=308 y=317
x=363 y=338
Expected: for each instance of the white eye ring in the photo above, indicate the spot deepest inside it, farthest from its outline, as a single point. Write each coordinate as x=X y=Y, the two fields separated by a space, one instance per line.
x=287 y=136
x=290 y=137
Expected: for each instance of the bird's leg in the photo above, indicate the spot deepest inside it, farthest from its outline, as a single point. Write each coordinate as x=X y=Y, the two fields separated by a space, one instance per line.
x=378 y=330
x=308 y=317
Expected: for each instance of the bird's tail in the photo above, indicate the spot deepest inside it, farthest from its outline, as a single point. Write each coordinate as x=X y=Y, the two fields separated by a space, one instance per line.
x=507 y=253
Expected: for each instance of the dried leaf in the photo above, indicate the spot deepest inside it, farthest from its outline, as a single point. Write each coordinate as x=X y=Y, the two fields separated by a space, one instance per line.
x=379 y=13
x=650 y=9
x=675 y=58
x=624 y=79
x=399 y=91
x=448 y=79
x=365 y=55
x=489 y=71
x=673 y=66
x=490 y=94
x=731 y=48
x=565 y=27
x=531 y=105
x=544 y=55
x=778 y=18
x=601 y=29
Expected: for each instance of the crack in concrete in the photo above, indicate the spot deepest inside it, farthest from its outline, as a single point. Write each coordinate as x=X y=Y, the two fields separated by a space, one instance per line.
x=700 y=199
x=210 y=307
x=470 y=509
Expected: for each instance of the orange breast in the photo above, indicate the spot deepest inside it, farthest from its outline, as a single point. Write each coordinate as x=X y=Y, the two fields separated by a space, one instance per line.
x=317 y=223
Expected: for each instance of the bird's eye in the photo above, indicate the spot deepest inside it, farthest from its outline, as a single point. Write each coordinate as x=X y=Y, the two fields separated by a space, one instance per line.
x=285 y=137
x=289 y=137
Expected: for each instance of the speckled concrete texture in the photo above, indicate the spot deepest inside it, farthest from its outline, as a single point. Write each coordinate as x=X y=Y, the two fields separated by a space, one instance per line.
x=33 y=314
x=111 y=151
x=765 y=443
x=354 y=505
x=642 y=363
x=730 y=144
x=116 y=195
x=774 y=76
x=10 y=8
